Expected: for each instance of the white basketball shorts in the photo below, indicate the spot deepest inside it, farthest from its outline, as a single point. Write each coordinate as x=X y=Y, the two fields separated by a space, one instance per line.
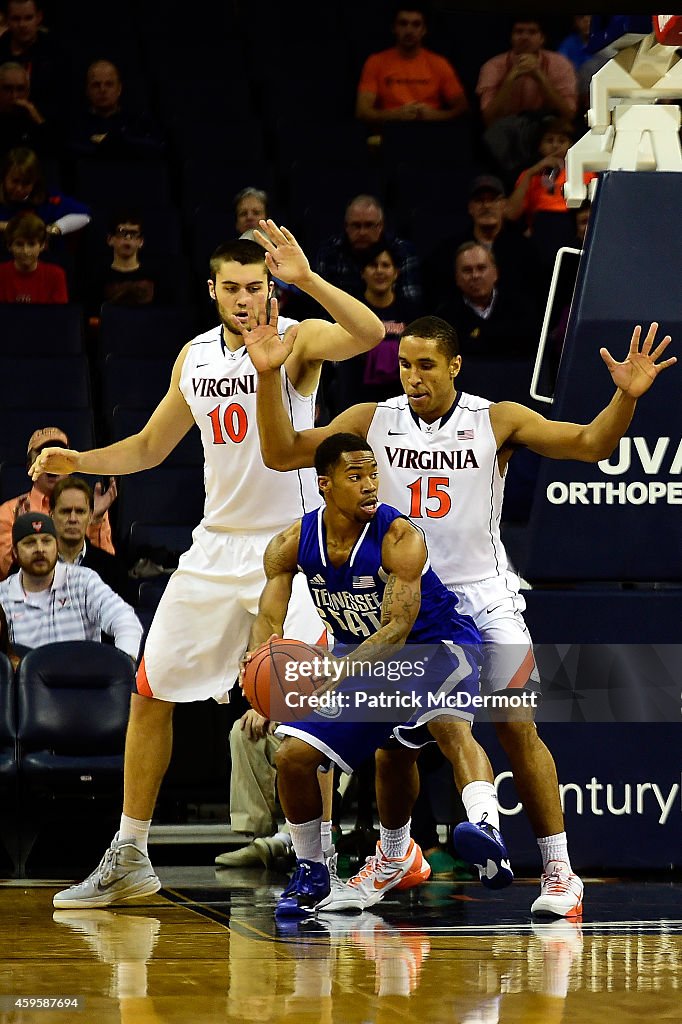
x=201 y=626
x=497 y=607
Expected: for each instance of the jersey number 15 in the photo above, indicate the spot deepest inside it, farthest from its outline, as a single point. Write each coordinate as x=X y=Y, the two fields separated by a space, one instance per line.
x=436 y=493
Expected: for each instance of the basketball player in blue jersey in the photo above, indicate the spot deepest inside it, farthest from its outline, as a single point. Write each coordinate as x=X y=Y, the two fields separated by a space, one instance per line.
x=442 y=456
x=202 y=623
x=368 y=571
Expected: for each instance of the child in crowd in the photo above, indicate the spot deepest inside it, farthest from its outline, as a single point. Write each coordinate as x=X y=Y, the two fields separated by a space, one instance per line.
x=25 y=278
x=540 y=187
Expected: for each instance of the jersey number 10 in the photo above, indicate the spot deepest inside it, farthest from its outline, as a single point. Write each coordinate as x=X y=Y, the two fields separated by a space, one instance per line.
x=436 y=491
x=234 y=422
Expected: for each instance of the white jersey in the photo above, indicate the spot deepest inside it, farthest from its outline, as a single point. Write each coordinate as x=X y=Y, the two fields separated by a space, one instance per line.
x=242 y=495
x=445 y=476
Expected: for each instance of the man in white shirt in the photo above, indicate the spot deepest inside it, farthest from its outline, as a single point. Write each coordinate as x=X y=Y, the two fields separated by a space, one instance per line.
x=47 y=602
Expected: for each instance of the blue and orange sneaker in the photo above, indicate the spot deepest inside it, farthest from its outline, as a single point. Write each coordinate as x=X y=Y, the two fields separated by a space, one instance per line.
x=308 y=885
x=483 y=846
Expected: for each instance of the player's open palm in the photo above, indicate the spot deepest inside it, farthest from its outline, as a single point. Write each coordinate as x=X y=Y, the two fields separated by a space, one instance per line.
x=266 y=348
x=284 y=257
x=639 y=370
x=55 y=460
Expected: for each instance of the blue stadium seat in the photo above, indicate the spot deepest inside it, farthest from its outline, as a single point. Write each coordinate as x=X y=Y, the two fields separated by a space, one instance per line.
x=145 y=330
x=41 y=330
x=17 y=425
x=73 y=700
x=35 y=382
x=126 y=421
x=168 y=495
x=134 y=381
x=8 y=731
x=13 y=480
x=122 y=182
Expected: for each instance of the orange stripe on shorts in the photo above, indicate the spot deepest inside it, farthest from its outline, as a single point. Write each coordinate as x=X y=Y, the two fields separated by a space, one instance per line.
x=141 y=682
x=523 y=672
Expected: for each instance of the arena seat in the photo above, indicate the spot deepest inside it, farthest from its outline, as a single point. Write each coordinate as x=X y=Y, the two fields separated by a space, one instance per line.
x=126 y=421
x=41 y=330
x=17 y=425
x=145 y=330
x=13 y=479
x=33 y=381
x=72 y=710
x=122 y=181
x=8 y=759
x=137 y=381
x=169 y=495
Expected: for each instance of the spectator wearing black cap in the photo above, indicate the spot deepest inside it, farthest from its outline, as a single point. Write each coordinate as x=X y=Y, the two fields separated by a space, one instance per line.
x=38 y=500
x=492 y=321
x=515 y=256
x=49 y=602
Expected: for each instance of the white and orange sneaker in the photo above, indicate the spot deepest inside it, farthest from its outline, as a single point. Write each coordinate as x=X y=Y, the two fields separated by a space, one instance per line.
x=381 y=873
x=561 y=892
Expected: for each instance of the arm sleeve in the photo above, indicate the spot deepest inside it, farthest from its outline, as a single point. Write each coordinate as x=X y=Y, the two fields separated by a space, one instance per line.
x=563 y=77
x=369 y=77
x=488 y=82
x=6 y=523
x=99 y=534
x=114 y=615
x=71 y=222
x=450 y=86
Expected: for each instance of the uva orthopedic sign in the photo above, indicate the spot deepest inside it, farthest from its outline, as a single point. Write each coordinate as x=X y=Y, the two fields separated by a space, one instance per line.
x=663 y=460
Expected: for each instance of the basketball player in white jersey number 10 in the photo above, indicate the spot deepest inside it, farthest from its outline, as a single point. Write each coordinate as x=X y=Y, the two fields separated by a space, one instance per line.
x=442 y=457
x=202 y=624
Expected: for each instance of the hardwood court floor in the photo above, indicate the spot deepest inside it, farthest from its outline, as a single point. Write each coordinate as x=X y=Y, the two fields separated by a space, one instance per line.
x=207 y=950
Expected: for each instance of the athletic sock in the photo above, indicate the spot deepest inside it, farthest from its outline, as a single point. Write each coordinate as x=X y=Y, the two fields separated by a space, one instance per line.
x=326 y=836
x=138 y=831
x=395 y=842
x=480 y=800
x=306 y=840
x=554 y=848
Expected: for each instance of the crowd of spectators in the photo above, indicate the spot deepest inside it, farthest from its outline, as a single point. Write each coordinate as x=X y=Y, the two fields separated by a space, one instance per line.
x=82 y=221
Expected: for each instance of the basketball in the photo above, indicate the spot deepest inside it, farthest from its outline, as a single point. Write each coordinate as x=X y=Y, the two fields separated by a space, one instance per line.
x=278 y=668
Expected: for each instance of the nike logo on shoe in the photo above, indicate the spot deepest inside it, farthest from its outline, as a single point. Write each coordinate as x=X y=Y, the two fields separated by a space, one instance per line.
x=382 y=883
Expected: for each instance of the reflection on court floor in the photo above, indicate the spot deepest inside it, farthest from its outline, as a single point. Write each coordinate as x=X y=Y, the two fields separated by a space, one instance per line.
x=208 y=949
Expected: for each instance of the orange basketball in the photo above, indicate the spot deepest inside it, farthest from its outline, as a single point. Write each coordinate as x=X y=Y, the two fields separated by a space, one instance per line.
x=279 y=668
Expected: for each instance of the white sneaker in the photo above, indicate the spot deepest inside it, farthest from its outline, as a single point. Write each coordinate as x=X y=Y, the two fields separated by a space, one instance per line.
x=124 y=873
x=269 y=849
x=341 y=895
x=245 y=857
x=381 y=873
x=561 y=892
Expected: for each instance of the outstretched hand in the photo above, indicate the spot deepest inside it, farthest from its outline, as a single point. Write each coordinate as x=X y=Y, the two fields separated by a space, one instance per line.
x=61 y=461
x=635 y=375
x=284 y=257
x=265 y=347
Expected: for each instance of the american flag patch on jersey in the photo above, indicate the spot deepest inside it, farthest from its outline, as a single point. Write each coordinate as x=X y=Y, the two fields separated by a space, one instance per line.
x=363 y=581
x=465 y=435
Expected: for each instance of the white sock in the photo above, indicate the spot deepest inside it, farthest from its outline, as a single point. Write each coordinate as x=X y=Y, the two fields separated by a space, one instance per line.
x=133 y=828
x=326 y=836
x=306 y=840
x=479 y=799
x=395 y=842
x=554 y=848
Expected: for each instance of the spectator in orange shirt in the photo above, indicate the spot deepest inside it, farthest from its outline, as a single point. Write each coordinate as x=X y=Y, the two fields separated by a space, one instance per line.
x=540 y=187
x=25 y=278
x=38 y=500
x=409 y=82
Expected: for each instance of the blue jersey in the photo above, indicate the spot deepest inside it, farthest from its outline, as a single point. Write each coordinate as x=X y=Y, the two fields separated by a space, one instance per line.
x=349 y=598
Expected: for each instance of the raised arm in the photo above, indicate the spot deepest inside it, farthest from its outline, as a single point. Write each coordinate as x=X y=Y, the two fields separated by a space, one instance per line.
x=516 y=425
x=166 y=427
x=280 y=561
x=356 y=328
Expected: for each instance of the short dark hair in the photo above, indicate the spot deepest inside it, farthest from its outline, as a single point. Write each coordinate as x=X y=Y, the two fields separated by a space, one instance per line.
x=241 y=250
x=374 y=251
x=421 y=8
x=26 y=226
x=557 y=125
x=67 y=483
x=473 y=244
x=333 y=447
x=124 y=216
x=432 y=328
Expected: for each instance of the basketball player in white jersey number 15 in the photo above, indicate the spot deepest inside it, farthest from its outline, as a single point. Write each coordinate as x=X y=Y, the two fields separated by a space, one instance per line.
x=442 y=457
x=202 y=624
